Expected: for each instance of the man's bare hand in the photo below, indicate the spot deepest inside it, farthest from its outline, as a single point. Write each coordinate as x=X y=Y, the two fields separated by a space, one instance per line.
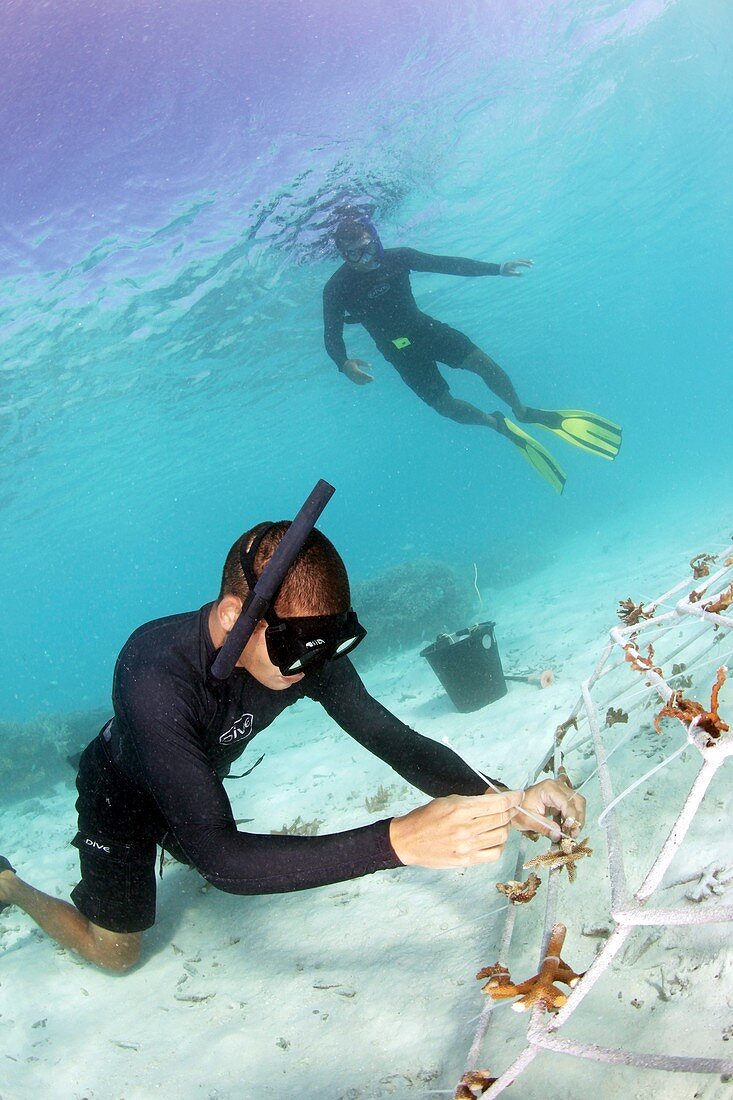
x=552 y=796
x=352 y=368
x=456 y=831
x=511 y=267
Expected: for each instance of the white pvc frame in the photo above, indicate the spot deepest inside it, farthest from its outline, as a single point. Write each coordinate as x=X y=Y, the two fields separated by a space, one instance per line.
x=626 y=911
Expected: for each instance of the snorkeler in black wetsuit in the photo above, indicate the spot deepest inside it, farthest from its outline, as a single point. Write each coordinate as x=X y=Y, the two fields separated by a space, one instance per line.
x=372 y=288
x=154 y=775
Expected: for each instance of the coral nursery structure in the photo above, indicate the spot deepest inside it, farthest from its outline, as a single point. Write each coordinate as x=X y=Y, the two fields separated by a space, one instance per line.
x=635 y=668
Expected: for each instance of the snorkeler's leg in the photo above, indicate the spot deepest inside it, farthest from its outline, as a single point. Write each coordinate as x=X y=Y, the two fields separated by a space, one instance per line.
x=498 y=381
x=421 y=374
x=439 y=397
x=462 y=411
x=70 y=928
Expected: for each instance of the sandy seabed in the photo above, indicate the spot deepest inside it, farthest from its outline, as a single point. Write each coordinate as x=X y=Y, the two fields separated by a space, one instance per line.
x=367 y=989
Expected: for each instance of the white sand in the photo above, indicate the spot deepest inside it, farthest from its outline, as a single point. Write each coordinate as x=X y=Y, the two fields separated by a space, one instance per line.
x=367 y=989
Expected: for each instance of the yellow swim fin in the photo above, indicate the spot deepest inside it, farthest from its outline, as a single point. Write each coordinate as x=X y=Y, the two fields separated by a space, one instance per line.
x=533 y=452
x=586 y=430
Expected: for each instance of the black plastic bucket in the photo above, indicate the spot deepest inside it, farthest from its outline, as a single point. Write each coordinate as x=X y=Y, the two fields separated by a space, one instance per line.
x=468 y=666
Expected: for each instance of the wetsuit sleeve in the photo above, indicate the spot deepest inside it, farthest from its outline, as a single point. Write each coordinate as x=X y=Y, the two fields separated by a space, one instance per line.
x=426 y=764
x=447 y=265
x=158 y=718
x=333 y=325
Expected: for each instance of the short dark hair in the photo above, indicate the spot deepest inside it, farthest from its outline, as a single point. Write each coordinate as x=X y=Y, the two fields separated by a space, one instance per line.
x=351 y=229
x=316 y=583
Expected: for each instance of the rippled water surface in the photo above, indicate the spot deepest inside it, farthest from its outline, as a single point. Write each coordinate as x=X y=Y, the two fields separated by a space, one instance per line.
x=170 y=177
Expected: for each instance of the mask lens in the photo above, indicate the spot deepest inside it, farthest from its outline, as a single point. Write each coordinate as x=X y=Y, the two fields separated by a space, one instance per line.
x=297 y=644
x=365 y=251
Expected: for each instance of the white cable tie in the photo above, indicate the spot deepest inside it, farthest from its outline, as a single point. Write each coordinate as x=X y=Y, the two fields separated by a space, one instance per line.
x=638 y=782
x=489 y=783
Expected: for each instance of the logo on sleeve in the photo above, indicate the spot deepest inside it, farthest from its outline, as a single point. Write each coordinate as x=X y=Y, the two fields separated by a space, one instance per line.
x=241 y=729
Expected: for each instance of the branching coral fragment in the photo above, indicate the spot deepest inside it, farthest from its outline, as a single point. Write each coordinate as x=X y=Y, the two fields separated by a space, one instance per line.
x=562 y=729
x=520 y=892
x=474 y=1083
x=639 y=663
x=700 y=565
x=614 y=715
x=723 y=601
x=712 y=881
x=539 y=990
x=567 y=854
x=631 y=613
x=688 y=710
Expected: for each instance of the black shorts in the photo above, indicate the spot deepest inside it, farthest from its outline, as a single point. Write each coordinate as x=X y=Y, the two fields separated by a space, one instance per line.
x=416 y=361
x=117 y=851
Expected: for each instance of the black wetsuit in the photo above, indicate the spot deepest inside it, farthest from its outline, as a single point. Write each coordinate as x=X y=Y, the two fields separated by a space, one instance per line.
x=383 y=302
x=154 y=776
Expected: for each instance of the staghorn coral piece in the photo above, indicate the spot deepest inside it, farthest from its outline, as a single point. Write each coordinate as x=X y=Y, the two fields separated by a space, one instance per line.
x=299 y=827
x=700 y=565
x=639 y=663
x=688 y=710
x=631 y=613
x=562 y=729
x=474 y=1083
x=539 y=990
x=380 y=800
x=677 y=680
x=722 y=603
x=566 y=854
x=520 y=892
x=495 y=971
x=614 y=715
x=563 y=777
x=712 y=881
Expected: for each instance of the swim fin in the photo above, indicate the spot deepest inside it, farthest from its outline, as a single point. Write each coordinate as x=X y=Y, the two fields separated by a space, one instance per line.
x=5 y=866
x=586 y=430
x=532 y=451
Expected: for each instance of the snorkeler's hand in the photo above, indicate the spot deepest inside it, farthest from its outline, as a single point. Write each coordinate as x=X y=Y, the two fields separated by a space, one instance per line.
x=555 y=797
x=352 y=370
x=455 y=831
x=510 y=267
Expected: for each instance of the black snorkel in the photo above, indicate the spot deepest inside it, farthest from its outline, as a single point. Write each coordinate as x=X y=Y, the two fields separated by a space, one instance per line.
x=268 y=584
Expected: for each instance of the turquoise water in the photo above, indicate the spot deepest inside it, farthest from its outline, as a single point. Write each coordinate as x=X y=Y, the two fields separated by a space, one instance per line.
x=169 y=176
x=167 y=190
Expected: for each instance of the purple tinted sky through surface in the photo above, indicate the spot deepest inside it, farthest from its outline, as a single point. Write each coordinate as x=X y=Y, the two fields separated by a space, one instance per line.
x=94 y=95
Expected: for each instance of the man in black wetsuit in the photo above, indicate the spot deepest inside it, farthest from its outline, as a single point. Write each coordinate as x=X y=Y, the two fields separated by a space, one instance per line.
x=372 y=288
x=153 y=776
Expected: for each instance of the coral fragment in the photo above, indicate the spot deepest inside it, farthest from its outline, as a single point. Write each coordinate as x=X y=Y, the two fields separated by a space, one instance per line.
x=723 y=601
x=566 y=855
x=520 y=892
x=700 y=565
x=540 y=989
x=614 y=715
x=631 y=613
x=474 y=1083
x=688 y=711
